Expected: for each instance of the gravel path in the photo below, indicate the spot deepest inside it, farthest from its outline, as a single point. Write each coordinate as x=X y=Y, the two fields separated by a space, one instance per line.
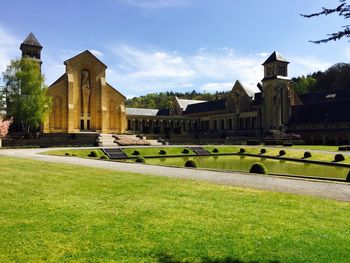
x=331 y=190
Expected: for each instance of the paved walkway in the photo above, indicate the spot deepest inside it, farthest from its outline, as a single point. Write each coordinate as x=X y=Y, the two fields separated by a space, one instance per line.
x=331 y=190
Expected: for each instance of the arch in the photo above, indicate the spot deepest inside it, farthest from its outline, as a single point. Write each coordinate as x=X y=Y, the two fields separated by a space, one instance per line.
x=307 y=139
x=57 y=113
x=343 y=139
x=331 y=139
x=318 y=139
x=129 y=124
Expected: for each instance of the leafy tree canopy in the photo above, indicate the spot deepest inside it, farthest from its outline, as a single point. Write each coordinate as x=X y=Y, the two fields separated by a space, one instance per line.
x=343 y=9
x=26 y=99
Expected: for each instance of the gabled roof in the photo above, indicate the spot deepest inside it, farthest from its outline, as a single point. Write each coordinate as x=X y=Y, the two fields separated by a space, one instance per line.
x=324 y=96
x=86 y=52
x=250 y=90
x=59 y=79
x=208 y=106
x=183 y=103
x=275 y=56
x=141 y=112
x=31 y=41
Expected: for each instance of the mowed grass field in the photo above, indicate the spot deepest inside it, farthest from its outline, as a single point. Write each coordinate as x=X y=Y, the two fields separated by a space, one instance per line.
x=60 y=213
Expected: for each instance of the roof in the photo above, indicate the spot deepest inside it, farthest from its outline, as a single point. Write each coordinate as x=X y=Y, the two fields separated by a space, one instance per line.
x=208 y=106
x=141 y=112
x=251 y=90
x=86 y=52
x=323 y=112
x=183 y=103
x=59 y=79
x=275 y=56
x=31 y=41
x=324 y=96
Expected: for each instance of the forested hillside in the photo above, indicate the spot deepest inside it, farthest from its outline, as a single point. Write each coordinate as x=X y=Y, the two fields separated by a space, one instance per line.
x=336 y=77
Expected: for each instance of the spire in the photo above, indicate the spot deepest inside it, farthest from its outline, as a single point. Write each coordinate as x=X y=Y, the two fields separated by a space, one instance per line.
x=31 y=41
x=275 y=56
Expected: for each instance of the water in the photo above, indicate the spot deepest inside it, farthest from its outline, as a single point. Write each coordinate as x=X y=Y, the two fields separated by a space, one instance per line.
x=243 y=163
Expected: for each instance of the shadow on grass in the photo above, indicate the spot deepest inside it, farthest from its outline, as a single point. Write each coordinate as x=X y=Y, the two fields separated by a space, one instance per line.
x=164 y=258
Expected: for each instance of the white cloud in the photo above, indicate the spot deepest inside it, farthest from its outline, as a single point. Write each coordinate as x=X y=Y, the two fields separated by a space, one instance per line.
x=156 y=4
x=9 y=48
x=96 y=53
x=306 y=65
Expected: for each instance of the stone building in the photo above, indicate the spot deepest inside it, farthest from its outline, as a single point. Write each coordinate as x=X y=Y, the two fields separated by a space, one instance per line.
x=83 y=101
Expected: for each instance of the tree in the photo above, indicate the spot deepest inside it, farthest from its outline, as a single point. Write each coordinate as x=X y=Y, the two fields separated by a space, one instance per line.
x=343 y=9
x=26 y=94
x=305 y=84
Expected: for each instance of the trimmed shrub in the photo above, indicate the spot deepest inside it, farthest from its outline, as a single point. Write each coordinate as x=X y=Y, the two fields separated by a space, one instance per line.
x=282 y=152
x=288 y=144
x=339 y=157
x=258 y=168
x=140 y=160
x=342 y=148
x=67 y=154
x=262 y=151
x=93 y=154
x=186 y=151
x=242 y=150
x=191 y=163
x=104 y=157
x=348 y=178
x=135 y=152
x=307 y=155
x=74 y=154
x=215 y=150
x=162 y=152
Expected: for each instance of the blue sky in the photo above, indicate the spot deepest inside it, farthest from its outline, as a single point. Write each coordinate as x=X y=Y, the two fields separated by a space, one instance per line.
x=163 y=45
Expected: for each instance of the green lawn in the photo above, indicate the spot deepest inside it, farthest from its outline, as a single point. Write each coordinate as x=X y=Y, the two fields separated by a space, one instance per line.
x=75 y=152
x=154 y=151
x=61 y=213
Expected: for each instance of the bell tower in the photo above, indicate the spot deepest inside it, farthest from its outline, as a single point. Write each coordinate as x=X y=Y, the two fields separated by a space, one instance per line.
x=276 y=90
x=31 y=48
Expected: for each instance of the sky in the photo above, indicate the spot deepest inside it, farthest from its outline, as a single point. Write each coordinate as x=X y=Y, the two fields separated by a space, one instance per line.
x=174 y=45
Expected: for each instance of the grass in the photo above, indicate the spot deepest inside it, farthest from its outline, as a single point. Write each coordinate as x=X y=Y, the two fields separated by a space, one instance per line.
x=61 y=213
x=76 y=152
x=154 y=151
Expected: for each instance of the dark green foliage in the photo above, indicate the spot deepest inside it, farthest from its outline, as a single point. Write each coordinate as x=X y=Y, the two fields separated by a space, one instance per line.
x=288 y=144
x=74 y=154
x=104 y=157
x=282 y=152
x=258 y=168
x=191 y=163
x=162 y=151
x=215 y=150
x=136 y=152
x=307 y=155
x=242 y=150
x=262 y=151
x=67 y=154
x=185 y=151
x=93 y=154
x=339 y=157
x=140 y=160
x=348 y=177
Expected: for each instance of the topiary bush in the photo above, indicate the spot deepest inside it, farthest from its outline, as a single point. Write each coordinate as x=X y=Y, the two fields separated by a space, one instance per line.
x=282 y=152
x=242 y=150
x=307 y=155
x=186 y=151
x=339 y=157
x=162 y=152
x=135 y=152
x=104 y=157
x=348 y=178
x=342 y=148
x=191 y=163
x=67 y=154
x=215 y=150
x=93 y=154
x=258 y=168
x=262 y=151
x=74 y=154
x=140 y=160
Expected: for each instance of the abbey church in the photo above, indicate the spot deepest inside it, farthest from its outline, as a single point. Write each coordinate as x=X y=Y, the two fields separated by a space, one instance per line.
x=84 y=101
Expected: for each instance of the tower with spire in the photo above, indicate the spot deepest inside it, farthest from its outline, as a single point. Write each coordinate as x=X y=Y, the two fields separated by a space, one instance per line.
x=31 y=48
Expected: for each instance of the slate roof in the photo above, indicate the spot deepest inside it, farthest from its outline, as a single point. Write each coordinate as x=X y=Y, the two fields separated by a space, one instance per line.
x=275 y=56
x=141 y=112
x=208 y=106
x=183 y=103
x=163 y=112
x=31 y=41
x=322 y=112
x=325 y=96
